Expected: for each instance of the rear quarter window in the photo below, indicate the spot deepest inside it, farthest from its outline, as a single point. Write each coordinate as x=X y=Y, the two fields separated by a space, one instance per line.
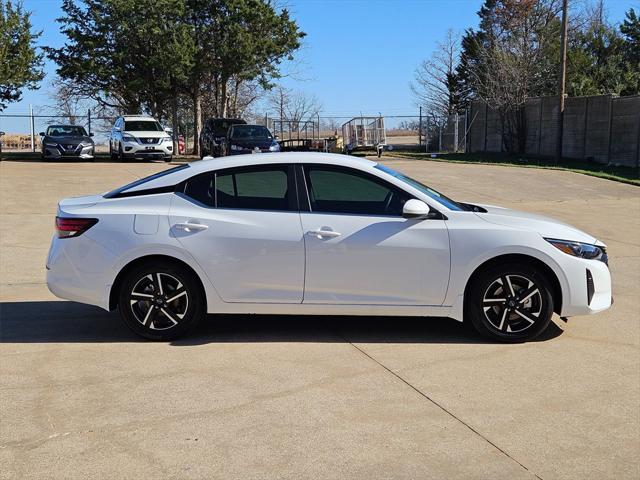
x=122 y=190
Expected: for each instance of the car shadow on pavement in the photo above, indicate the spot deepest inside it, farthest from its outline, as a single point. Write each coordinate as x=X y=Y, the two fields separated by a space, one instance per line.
x=69 y=322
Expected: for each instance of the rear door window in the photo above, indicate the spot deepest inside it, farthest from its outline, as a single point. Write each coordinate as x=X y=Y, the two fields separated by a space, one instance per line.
x=247 y=188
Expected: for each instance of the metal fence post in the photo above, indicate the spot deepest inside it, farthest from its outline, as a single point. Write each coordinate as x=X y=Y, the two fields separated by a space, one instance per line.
x=32 y=125
x=455 y=133
x=89 y=120
x=420 y=127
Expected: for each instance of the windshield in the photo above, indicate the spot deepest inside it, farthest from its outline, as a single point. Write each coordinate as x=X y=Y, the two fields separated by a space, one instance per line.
x=250 y=131
x=220 y=127
x=66 y=131
x=142 y=126
x=438 y=197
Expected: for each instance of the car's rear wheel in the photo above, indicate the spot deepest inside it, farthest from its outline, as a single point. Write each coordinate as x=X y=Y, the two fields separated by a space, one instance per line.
x=509 y=303
x=161 y=302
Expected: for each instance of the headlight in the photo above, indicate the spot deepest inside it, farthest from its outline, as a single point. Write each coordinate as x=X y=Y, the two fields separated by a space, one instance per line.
x=236 y=147
x=577 y=249
x=129 y=138
x=275 y=147
x=49 y=144
x=167 y=139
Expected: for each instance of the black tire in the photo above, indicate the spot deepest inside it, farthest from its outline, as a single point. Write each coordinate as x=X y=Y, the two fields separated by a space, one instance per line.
x=112 y=156
x=168 y=159
x=505 y=316
x=145 y=302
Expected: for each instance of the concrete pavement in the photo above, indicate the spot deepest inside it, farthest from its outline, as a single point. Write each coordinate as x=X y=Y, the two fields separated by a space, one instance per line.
x=300 y=397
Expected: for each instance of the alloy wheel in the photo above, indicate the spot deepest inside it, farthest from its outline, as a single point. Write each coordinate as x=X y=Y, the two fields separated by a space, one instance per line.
x=159 y=301
x=512 y=303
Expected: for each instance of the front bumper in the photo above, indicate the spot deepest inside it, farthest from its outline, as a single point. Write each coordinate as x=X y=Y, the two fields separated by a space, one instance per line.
x=589 y=288
x=76 y=152
x=160 y=151
x=246 y=151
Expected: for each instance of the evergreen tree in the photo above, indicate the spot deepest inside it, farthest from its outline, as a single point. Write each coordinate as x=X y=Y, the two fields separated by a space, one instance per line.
x=20 y=63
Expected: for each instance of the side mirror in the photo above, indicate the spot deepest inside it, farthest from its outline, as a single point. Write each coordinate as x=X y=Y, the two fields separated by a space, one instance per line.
x=415 y=209
x=276 y=137
x=168 y=130
x=91 y=134
x=41 y=134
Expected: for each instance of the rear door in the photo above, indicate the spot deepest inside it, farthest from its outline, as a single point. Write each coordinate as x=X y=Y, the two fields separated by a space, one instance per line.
x=359 y=248
x=243 y=227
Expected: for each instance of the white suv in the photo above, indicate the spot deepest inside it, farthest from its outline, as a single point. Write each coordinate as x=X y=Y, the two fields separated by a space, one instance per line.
x=139 y=137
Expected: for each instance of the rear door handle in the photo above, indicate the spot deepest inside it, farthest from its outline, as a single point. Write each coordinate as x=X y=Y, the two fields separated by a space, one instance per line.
x=190 y=227
x=323 y=233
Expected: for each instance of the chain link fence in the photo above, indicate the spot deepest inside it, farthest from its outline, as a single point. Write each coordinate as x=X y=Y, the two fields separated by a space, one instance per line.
x=419 y=133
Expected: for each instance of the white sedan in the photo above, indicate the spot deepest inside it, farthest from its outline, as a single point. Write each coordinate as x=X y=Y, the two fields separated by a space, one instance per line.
x=317 y=234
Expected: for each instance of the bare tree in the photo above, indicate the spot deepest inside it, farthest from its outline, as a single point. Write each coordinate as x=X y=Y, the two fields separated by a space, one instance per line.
x=294 y=107
x=332 y=125
x=237 y=100
x=67 y=102
x=518 y=61
x=435 y=84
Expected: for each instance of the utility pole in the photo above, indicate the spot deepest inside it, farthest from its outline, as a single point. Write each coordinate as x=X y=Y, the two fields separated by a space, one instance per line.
x=562 y=78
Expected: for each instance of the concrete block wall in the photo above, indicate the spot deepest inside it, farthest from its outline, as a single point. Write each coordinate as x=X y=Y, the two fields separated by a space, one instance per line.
x=597 y=129
x=477 y=126
x=625 y=131
x=601 y=128
x=533 y=112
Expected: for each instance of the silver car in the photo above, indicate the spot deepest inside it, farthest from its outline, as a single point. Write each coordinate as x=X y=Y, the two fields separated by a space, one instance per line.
x=67 y=141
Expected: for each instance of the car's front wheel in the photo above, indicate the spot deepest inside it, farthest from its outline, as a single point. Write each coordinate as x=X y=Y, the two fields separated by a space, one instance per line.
x=161 y=302
x=120 y=153
x=509 y=303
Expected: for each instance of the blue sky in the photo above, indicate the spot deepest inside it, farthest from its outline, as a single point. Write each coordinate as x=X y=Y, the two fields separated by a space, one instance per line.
x=358 y=56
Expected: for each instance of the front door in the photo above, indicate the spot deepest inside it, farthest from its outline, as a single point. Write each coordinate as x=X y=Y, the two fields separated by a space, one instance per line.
x=360 y=250
x=243 y=228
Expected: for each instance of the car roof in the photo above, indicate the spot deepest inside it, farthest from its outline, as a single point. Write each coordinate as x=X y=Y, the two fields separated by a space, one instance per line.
x=63 y=125
x=209 y=164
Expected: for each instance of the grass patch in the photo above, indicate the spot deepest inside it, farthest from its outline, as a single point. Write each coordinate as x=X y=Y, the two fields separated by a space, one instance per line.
x=610 y=172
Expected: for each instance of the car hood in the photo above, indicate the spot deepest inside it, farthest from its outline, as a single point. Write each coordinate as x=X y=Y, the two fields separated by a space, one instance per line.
x=546 y=226
x=69 y=140
x=251 y=142
x=152 y=134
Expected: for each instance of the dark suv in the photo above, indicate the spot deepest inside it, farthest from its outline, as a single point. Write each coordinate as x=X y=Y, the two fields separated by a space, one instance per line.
x=213 y=134
x=243 y=139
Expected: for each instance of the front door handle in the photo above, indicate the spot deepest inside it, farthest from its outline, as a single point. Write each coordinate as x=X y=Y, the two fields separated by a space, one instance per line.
x=323 y=233
x=190 y=227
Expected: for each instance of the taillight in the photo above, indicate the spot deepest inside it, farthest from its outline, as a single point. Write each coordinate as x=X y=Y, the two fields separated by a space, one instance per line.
x=72 y=227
